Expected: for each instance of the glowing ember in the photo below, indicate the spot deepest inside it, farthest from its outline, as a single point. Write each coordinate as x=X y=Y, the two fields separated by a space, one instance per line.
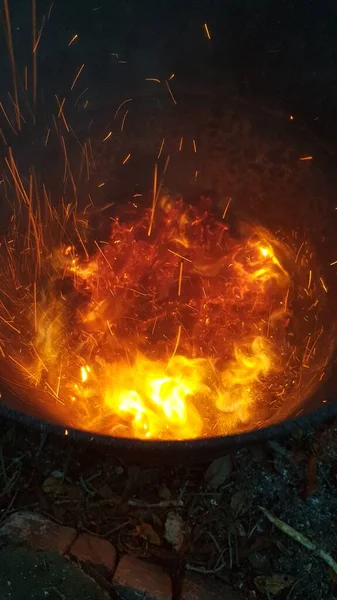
x=175 y=327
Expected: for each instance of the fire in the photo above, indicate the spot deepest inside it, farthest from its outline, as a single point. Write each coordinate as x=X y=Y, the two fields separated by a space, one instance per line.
x=180 y=334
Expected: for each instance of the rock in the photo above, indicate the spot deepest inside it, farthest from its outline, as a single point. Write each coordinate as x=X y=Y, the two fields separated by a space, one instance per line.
x=139 y=580
x=136 y=579
x=89 y=548
x=36 y=532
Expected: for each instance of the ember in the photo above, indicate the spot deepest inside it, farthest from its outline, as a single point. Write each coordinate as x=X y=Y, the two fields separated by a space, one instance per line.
x=174 y=327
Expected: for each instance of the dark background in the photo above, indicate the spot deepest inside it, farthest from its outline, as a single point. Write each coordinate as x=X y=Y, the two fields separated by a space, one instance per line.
x=281 y=54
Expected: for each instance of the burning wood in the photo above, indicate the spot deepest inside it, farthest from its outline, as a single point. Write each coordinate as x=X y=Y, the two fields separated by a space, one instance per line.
x=172 y=328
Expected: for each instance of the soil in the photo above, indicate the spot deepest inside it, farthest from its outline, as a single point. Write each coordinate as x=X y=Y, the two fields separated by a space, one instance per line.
x=91 y=489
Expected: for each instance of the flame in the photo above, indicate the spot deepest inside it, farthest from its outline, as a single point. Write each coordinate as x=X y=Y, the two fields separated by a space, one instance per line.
x=172 y=328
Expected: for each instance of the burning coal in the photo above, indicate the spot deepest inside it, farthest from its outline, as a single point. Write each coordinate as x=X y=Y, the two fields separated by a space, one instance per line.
x=174 y=327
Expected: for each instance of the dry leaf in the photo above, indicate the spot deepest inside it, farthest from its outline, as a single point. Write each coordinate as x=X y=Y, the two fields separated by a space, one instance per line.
x=218 y=471
x=53 y=485
x=273 y=584
x=174 y=530
x=239 y=502
x=146 y=531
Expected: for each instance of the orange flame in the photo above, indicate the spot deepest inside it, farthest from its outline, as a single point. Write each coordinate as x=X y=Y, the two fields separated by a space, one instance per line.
x=175 y=335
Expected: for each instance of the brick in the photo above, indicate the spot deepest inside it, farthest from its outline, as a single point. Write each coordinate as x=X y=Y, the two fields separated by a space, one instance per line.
x=139 y=580
x=89 y=548
x=135 y=579
x=36 y=532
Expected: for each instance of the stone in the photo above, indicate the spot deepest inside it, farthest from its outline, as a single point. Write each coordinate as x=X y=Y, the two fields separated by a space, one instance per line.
x=138 y=580
x=90 y=548
x=36 y=532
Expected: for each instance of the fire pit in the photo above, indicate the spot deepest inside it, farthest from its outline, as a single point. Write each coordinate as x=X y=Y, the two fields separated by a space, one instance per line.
x=167 y=282
x=173 y=320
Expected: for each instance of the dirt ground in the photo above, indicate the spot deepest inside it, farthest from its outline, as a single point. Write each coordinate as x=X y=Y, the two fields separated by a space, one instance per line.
x=217 y=508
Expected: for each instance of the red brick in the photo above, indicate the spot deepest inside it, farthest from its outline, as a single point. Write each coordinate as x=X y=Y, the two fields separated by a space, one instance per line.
x=142 y=577
x=37 y=532
x=139 y=579
x=89 y=548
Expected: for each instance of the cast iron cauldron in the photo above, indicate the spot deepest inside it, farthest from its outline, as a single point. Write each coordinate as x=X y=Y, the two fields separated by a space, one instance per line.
x=253 y=156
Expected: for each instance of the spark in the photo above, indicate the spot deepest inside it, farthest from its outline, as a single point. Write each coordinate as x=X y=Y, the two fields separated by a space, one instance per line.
x=170 y=92
x=196 y=175
x=80 y=96
x=7 y=118
x=59 y=380
x=34 y=57
x=47 y=137
x=126 y=158
x=107 y=136
x=323 y=285
x=120 y=106
x=299 y=252
x=35 y=307
x=75 y=37
x=176 y=346
x=154 y=325
x=171 y=77
x=39 y=36
x=291 y=117
x=180 y=277
x=333 y=263
x=154 y=198
x=207 y=31
x=12 y=59
x=306 y=158
x=101 y=184
x=61 y=112
x=153 y=79
x=10 y=325
x=161 y=149
x=123 y=120
x=26 y=78
x=226 y=208
x=181 y=144
x=194 y=146
x=309 y=281
x=179 y=255
x=102 y=253
x=23 y=368
x=77 y=76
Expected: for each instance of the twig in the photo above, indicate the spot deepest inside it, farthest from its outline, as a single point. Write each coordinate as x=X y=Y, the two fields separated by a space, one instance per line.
x=85 y=487
x=301 y=539
x=162 y=504
x=205 y=571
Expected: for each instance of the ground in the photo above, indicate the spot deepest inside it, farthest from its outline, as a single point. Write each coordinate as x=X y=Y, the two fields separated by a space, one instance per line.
x=211 y=514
